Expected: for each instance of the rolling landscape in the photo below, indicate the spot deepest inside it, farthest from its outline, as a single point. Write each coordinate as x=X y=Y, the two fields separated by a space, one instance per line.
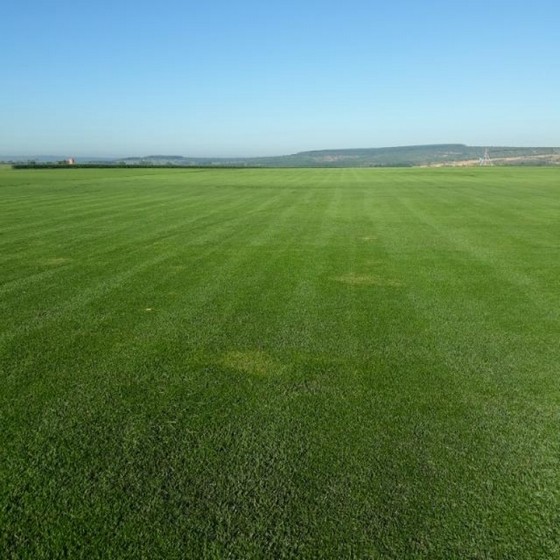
x=266 y=363
x=439 y=155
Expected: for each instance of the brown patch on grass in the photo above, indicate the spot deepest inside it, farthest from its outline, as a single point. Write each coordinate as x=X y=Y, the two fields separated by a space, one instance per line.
x=253 y=362
x=312 y=387
x=367 y=280
x=56 y=261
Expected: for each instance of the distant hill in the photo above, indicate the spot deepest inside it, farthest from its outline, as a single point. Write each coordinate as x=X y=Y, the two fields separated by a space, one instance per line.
x=401 y=156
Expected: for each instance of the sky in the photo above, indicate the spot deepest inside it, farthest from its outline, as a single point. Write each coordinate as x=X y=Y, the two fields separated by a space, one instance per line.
x=248 y=78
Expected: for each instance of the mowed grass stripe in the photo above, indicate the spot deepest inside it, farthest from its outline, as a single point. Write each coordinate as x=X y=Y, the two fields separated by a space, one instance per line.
x=466 y=303
x=84 y=241
x=100 y=214
x=131 y=189
x=495 y=245
x=311 y=363
x=159 y=243
x=175 y=271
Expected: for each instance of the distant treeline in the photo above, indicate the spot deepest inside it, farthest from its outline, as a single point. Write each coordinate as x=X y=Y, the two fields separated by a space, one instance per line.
x=124 y=166
x=171 y=166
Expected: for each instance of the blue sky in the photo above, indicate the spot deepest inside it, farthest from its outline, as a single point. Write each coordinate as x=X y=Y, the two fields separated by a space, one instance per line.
x=249 y=78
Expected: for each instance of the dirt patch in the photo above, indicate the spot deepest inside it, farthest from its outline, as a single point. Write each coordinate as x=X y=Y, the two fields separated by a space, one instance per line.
x=253 y=362
x=367 y=280
x=312 y=387
x=56 y=261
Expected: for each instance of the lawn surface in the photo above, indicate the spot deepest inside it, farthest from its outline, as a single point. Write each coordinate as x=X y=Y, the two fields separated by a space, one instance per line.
x=280 y=364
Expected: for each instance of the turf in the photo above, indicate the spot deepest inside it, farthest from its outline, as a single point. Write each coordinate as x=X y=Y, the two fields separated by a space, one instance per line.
x=280 y=363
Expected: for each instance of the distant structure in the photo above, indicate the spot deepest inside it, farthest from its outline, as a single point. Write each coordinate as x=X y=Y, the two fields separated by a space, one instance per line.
x=70 y=161
x=485 y=160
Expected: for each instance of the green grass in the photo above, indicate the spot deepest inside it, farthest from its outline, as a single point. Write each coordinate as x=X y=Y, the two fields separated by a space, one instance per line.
x=280 y=364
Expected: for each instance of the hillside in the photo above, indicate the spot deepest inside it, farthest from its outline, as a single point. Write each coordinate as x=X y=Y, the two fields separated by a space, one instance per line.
x=402 y=156
x=434 y=155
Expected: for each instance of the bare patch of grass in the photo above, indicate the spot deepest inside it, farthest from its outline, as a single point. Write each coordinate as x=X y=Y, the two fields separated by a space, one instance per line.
x=253 y=362
x=367 y=280
x=55 y=261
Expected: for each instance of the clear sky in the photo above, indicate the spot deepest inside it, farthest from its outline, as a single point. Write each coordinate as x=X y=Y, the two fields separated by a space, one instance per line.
x=227 y=78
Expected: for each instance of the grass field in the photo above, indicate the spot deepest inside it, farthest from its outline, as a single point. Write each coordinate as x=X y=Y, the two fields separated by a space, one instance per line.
x=280 y=363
